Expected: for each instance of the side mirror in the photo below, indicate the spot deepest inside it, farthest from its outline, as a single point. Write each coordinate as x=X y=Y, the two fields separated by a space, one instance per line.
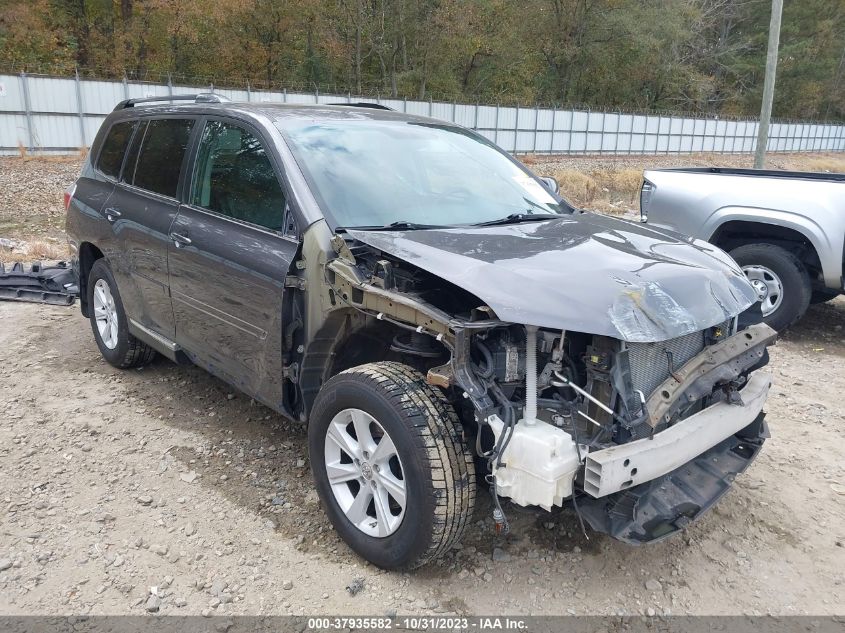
x=551 y=184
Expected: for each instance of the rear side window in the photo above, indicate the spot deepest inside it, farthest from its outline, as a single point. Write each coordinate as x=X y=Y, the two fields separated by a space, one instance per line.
x=114 y=147
x=234 y=177
x=160 y=157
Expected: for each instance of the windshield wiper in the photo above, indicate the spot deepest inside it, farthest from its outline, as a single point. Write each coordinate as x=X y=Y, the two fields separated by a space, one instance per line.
x=400 y=225
x=516 y=218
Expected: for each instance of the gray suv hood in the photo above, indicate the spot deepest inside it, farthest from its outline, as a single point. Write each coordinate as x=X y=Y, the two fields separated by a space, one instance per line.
x=586 y=272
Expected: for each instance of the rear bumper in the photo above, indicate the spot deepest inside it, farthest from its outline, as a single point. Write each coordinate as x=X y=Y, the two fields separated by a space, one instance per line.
x=625 y=466
x=659 y=508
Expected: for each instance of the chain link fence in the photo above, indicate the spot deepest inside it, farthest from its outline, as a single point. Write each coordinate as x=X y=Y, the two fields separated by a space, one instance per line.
x=61 y=115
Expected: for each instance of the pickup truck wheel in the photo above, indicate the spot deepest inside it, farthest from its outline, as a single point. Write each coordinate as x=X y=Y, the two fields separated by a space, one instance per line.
x=108 y=321
x=781 y=279
x=390 y=466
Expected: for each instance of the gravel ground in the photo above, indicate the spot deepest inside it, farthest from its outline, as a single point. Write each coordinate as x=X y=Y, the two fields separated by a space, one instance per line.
x=163 y=490
x=33 y=193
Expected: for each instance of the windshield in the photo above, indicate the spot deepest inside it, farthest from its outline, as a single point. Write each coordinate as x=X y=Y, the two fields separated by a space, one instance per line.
x=376 y=173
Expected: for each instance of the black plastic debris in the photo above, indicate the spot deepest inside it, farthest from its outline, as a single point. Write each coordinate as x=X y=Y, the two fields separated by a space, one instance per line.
x=38 y=283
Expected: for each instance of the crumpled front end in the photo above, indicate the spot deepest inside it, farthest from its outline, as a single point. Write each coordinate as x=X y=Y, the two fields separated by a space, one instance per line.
x=642 y=431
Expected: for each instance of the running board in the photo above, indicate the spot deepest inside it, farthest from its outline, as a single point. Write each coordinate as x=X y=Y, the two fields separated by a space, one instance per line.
x=659 y=508
x=158 y=342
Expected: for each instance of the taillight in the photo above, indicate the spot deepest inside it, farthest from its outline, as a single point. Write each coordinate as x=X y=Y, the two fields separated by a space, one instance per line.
x=645 y=198
x=69 y=195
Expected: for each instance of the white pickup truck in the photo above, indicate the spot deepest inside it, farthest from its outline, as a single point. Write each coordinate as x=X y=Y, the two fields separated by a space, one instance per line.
x=785 y=229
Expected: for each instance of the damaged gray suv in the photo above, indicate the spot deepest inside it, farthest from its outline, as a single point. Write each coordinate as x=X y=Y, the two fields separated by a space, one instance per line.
x=443 y=320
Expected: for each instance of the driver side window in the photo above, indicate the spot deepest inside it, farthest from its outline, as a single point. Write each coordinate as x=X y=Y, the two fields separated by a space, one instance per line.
x=234 y=177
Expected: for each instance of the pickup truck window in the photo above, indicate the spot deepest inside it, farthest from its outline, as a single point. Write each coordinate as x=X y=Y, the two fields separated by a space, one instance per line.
x=160 y=159
x=114 y=147
x=234 y=177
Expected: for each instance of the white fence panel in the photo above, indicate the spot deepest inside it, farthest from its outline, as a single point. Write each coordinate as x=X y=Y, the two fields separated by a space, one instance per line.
x=62 y=115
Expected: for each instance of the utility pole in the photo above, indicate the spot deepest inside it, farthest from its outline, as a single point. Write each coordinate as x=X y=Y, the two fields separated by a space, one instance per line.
x=768 y=85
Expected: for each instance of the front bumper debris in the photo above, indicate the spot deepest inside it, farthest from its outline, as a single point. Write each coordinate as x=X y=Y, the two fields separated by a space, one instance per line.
x=621 y=467
x=39 y=284
x=659 y=508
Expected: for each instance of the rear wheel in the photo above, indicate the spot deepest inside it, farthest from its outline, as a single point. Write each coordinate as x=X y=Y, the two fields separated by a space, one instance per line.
x=108 y=321
x=390 y=465
x=780 y=279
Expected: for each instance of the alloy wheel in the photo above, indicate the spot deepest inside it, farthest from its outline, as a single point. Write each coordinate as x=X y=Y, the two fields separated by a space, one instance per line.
x=365 y=473
x=105 y=314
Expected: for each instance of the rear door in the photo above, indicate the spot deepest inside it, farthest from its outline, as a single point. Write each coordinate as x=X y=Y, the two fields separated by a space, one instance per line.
x=232 y=246
x=141 y=209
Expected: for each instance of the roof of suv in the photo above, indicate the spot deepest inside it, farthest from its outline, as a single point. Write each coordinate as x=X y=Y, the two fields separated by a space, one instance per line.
x=282 y=113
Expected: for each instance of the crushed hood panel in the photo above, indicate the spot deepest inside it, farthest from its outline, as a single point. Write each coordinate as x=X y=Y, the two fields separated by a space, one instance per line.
x=586 y=272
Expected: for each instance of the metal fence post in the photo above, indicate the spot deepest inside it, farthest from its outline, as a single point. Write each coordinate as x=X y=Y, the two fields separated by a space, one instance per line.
x=601 y=138
x=516 y=129
x=284 y=95
x=552 y=130
x=170 y=87
x=125 y=87
x=475 y=118
x=248 y=92
x=669 y=135
x=454 y=111
x=536 y=125
x=80 y=110
x=587 y=133
x=496 y=126
x=28 y=109
x=616 y=134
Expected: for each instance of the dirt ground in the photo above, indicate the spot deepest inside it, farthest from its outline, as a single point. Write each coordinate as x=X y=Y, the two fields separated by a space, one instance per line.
x=164 y=490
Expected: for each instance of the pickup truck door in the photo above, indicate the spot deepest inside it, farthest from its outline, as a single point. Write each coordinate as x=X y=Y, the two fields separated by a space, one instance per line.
x=231 y=249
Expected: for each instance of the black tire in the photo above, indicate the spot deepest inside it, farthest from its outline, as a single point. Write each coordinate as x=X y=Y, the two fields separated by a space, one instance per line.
x=794 y=278
x=129 y=351
x=438 y=469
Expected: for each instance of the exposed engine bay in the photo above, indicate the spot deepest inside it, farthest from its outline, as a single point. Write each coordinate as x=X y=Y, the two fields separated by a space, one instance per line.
x=555 y=414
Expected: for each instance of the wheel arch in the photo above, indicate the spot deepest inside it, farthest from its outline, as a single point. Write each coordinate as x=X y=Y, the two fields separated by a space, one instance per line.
x=795 y=238
x=88 y=254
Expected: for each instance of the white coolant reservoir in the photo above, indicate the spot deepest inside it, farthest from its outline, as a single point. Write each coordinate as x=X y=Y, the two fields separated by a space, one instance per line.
x=540 y=463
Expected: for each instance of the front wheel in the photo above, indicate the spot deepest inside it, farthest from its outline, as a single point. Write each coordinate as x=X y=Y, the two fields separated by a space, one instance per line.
x=780 y=279
x=390 y=465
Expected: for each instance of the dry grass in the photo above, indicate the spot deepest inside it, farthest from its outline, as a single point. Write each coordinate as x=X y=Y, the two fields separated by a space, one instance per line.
x=612 y=190
x=75 y=157
x=830 y=163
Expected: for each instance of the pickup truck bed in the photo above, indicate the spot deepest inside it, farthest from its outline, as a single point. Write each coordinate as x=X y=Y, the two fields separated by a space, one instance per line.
x=786 y=229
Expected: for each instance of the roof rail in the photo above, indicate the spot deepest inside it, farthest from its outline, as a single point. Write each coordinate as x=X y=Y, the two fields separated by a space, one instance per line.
x=363 y=104
x=202 y=97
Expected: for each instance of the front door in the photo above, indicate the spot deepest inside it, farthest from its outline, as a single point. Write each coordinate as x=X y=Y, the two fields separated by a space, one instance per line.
x=228 y=260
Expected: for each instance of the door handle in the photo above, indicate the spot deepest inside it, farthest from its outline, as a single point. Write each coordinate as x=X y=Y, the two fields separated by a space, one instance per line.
x=112 y=214
x=180 y=240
